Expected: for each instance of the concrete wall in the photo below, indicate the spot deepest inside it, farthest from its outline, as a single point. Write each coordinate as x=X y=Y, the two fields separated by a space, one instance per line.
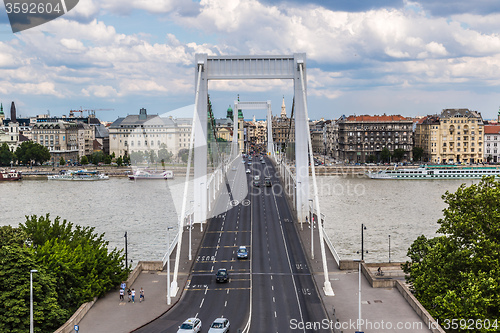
x=76 y=317
x=419 y=309
x=84 y=308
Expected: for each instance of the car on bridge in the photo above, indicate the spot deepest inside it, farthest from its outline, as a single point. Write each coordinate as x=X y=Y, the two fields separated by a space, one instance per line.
x=191 y=325
x=220 y=325
x=222 y=275
x=242 y=252
x=256 y=183
x=248 y=171
x=268 y=182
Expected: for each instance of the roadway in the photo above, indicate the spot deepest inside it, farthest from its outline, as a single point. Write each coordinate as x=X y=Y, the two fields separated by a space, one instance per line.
x=273 y=287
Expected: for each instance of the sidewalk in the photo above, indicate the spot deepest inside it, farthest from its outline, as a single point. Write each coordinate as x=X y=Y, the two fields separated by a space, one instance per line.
x=383 y=308
x=109 y=315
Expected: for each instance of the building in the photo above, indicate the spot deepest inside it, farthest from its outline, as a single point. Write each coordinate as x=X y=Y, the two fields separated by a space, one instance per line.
x=143 y=132
x=63 y=139
x=361 y=139
x=283 y=129
x=455 y=136
x=492 y=143
x=423 y=130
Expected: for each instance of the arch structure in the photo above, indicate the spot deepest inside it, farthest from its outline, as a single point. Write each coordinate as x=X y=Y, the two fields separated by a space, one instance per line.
x=253 y=67
x=238 y=105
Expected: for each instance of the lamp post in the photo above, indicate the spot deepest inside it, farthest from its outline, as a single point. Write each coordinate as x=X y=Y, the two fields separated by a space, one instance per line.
x=359 y=297
x=362 y=242
x=31 y=299
x=190 y=227
x=389 y=248
x=169 y=299
x=126 y=253
x=311 y=221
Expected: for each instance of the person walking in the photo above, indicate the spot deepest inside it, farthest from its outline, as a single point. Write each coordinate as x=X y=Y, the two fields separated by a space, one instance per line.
x=129 y=295
x=123 y=285
x=141 y=295
x=133 y=295
x=122 y=292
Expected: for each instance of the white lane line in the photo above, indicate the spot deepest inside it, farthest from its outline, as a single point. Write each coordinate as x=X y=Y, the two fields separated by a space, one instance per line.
x=206 y=289
x=225 y=303
x=274 y=300
x=275 y=314
x=203 y=300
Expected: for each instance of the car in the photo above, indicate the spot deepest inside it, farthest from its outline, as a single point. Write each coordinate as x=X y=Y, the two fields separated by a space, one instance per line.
x=222 y=275
x=242 y=252
x=220 y=325
x=263 y=162
x=268 y=182
x=256 y=177
x=243 y=161
x=248 y=171
x=234 y=168
x=191 y=325
x=256 y=183
x=249 y=163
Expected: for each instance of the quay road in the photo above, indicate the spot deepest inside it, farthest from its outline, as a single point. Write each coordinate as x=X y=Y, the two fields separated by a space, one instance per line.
x=269 y=290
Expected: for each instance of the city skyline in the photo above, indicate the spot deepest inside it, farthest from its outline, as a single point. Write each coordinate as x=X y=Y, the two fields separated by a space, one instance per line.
x=396 y=57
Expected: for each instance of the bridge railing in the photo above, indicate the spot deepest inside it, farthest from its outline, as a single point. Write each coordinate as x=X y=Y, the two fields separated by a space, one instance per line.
x=189 y=216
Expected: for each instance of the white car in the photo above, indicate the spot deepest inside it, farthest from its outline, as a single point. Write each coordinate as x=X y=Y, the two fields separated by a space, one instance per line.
x=191 y=325
x=220 y=325
x=248 y=171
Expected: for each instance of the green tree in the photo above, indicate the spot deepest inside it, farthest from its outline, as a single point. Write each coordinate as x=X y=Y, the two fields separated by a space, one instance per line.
x=77 y=257
x=165 y=155
x=30 y=151
x=17 y=258
x=6 y=156
x=84 y=160
x=457 y=275
x=126 y=160
x=137 y=157
x=62 y=161
x=107 y=159
x=97 y=157
x=385 y=155
x=119 y=161
x=418 y=153
x=398 y=154
x=184 y=155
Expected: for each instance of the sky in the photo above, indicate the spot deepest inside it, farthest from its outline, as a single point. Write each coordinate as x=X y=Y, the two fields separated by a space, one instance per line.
x=363 y=56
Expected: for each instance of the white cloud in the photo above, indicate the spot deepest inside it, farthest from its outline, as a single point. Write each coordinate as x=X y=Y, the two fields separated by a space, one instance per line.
x=100 y=91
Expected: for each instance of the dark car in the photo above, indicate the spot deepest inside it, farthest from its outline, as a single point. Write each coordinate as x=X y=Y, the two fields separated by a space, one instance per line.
x=256 y=183
x=268 y=182
x=222 y=275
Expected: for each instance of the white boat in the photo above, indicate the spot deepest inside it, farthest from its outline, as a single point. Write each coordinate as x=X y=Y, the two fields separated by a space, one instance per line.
x=151 y=174
x=436 y=172
x=79 y=175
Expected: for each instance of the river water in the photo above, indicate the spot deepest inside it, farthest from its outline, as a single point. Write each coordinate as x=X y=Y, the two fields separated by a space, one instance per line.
x=144 y=209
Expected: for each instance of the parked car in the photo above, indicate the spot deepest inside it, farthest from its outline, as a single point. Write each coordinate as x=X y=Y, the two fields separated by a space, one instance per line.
x=220 y=325
x=191 y=325
x=242 y=252
x=222 y=275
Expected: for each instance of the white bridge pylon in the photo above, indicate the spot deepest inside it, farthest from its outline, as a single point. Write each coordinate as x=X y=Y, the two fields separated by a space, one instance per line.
x=241 y=68
x=239 y=105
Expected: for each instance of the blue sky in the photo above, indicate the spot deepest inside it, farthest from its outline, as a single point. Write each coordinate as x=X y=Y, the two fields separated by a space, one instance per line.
x=364 y=57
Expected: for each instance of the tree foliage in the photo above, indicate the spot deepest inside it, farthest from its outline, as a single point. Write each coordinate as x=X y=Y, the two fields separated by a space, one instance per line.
x=418 y=153
x=385 y=155
x=84 y=160
x=399 y=154
x=30 y=151
x=457 y=275
x=6 y=156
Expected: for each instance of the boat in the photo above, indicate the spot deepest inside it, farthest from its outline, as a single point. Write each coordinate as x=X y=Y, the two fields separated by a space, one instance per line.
x=10 y=175
x=436 y=172
x=79 y=175
x=151 y=174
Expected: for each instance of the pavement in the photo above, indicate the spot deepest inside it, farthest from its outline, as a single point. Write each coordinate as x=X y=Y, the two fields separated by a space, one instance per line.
x=382 y=309
x=109 y=315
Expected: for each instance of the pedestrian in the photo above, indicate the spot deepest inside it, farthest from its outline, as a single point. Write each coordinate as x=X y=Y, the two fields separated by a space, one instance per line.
x=122 y=292
x=133 y=295
x=141 y=295
x=123 y=285
x=129 y=295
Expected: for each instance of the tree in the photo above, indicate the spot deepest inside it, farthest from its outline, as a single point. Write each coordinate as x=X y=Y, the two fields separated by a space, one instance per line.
x=107 y=159
x=164 y=155
x=97 y=157
x=137 y=157
x=62 y=161
x=418 y=153
x=6 y=156
x=17 y=258
x=457 y=275
x=78 y=258
x=184 y=155
x=84 y=160
x=119 y=161
x=385 y=155
x=30 y=151
x=371 y=159
x=126 y=160
x=398 y=154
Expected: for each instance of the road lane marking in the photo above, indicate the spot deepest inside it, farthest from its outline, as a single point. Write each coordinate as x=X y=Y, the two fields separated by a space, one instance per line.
x=203 y=300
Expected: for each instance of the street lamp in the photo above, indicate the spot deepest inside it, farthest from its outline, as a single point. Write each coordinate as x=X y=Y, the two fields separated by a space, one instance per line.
x=190 y=227
x=311 y=221
x=126 y=254
x=31 y=299
x=389 y=248
x=169 y=299
x=362 y=242
x=359 y=296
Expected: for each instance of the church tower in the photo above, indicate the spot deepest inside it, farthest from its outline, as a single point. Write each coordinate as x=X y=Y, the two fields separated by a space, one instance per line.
x=283 y=108
x=2 y=115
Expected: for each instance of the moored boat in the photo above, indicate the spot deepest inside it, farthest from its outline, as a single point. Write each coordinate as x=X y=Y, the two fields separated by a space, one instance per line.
x=151 y=174
x=79 y=175
x=436 y=172
x=10 y=175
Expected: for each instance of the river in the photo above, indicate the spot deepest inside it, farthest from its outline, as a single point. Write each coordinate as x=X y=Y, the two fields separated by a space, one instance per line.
x=144 y=209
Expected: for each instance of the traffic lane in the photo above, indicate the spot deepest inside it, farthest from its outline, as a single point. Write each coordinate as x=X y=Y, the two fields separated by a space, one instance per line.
x=263 y=312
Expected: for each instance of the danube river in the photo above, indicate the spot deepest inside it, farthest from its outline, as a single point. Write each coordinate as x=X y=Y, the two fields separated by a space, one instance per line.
x=403 y=209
